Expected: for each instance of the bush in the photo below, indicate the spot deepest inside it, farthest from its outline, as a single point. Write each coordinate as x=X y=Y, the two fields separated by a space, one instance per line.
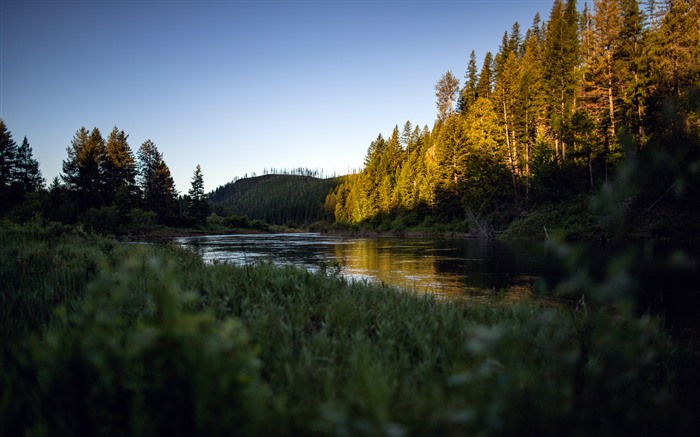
x=131 y=361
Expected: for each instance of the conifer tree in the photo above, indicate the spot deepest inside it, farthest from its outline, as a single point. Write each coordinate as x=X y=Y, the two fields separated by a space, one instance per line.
x=8 y=166
x=156 y=182
x=119 y=169
x=602 y=75
x=676 y=50
x=632 y=66
x=469 y=92
x=28 y=176
x=83 y=170
x=560 y=62
x=197 y=205
x=485 y=84
x=532 y=94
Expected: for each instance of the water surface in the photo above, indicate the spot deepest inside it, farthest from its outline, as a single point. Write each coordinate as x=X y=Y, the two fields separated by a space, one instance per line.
x=448 y=267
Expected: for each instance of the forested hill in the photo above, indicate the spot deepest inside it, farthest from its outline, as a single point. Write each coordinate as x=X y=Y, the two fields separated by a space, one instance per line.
x=280 y=199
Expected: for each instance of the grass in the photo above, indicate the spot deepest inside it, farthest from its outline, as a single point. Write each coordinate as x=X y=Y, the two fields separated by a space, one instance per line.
x=101 y=337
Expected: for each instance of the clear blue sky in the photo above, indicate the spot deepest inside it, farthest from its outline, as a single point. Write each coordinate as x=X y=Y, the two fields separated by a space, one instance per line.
x=237 y=86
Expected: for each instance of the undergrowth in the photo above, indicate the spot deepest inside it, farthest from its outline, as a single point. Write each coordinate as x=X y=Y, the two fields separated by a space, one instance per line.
x=102 y=337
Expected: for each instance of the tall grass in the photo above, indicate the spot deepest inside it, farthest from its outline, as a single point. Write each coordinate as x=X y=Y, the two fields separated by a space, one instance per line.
x=108 y=338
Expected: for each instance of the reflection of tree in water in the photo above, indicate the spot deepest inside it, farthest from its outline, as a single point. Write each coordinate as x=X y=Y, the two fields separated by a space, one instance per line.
x=452 y=268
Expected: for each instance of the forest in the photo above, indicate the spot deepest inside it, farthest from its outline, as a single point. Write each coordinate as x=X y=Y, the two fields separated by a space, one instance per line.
x=103 y=186
x=588 y=98
x=547 y=122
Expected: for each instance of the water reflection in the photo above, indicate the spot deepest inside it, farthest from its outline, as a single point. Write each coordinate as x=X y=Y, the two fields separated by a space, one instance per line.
x=447 y=267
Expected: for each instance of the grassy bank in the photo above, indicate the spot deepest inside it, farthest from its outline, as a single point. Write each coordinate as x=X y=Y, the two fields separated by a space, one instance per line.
x=100 y=337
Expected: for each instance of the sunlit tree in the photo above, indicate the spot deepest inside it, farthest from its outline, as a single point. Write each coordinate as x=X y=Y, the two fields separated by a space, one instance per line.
x=83 y=169
x=446 y=92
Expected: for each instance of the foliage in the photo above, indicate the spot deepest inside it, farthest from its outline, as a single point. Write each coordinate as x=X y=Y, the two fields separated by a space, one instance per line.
x=131 y=359
x=120 y=339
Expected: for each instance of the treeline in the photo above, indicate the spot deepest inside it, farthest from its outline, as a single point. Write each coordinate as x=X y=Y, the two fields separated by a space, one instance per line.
x=103 y=185
x=546 y=119
x=295 y=199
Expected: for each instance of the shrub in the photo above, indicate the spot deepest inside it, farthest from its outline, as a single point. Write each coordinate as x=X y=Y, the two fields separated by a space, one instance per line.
x=131 y=361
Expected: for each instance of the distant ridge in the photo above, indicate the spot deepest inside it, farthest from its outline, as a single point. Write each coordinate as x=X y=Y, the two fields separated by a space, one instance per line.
x=278 y=199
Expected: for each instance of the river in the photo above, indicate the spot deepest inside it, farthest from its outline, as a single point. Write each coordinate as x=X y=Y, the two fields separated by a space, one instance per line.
x=665 y=276
x=446 y=267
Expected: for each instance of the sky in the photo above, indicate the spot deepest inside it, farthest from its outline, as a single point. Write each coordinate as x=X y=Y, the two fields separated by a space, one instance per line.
x=237 y=86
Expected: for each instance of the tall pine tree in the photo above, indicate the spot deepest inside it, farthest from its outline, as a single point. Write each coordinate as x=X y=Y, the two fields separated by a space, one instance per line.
x=8 y=165
x=119 y=170
x=83 y=170
x=28 y=175
x=156 y=182
x=197 y=205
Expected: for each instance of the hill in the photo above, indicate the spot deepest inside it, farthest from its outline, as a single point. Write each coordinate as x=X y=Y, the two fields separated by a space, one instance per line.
x=278 y=199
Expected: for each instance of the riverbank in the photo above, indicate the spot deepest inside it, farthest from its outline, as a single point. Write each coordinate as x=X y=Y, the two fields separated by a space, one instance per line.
x=109 y=338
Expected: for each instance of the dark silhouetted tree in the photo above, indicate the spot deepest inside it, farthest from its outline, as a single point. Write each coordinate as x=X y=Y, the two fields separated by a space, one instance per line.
x=28 y=175
x=156 y=182
x=197 y=205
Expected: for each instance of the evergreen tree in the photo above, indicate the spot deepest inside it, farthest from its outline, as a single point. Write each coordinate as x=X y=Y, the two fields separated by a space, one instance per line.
x=83 y=170
x=486 y=180
x=8 y=167
x=156 y=182
x=632 y=66
x=531 y=94
x=119 y=170
x=602 y=77
x=560 y=63
x=468 y=94
x=197 y=205
x=676 y=51
x=485 y=84
x=28 y=176
x=506 y=99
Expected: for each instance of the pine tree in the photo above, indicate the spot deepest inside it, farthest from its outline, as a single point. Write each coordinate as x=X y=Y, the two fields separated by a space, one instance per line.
x=485 y=84
x=676 y=50
x=505 y=97
x=8 y=167
x=602 y=77
x=531 y=94
x=156 y=182
x=28 y=176
x=632 y=66
x=468 y=94
x=197 y=205
x=560 y=63
x=119 y=169
x=486 y=181
x=83 y=170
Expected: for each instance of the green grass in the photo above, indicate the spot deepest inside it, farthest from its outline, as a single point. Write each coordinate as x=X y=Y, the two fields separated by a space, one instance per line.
x=107 y=338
